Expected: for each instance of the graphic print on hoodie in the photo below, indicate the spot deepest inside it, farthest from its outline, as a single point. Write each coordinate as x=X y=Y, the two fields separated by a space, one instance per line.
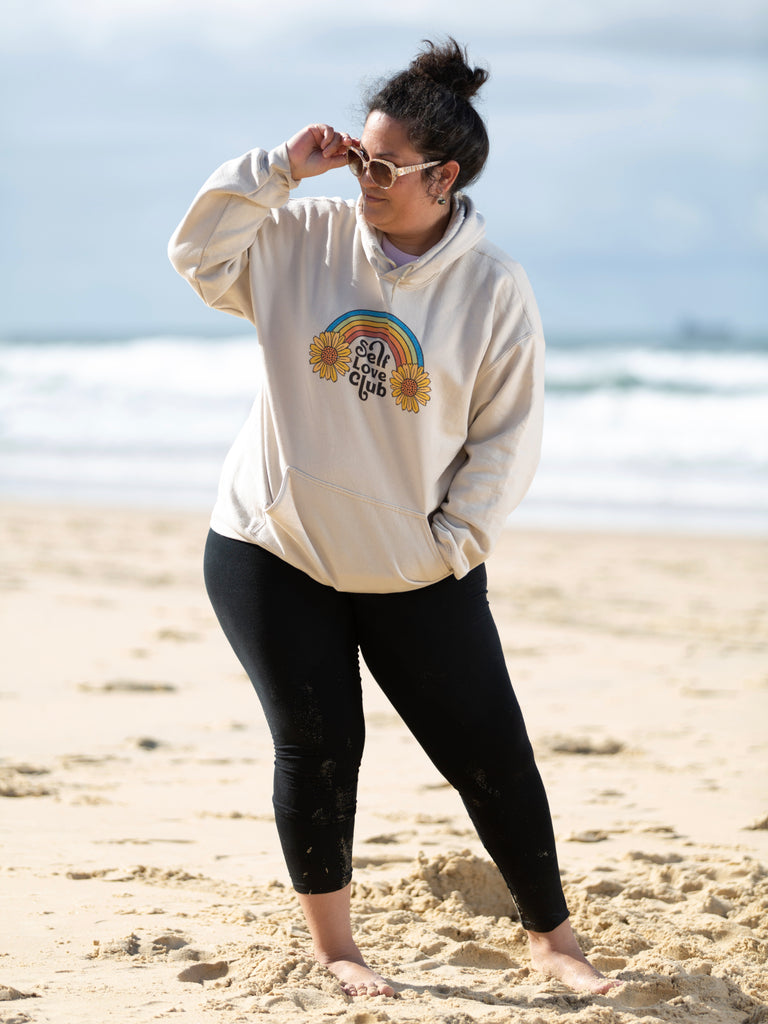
x=361 y=343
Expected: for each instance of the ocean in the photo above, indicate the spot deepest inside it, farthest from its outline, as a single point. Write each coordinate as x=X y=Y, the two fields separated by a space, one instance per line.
x=641 y=432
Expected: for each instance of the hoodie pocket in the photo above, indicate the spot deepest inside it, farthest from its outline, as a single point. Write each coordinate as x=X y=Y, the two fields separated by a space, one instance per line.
x=350 y=541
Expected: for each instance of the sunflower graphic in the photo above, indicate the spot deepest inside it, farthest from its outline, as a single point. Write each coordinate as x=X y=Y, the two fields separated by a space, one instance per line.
x=329 y=355
x=410 y=386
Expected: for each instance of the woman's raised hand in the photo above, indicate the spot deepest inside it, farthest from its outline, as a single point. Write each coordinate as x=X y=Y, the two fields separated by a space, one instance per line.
x=316 y=149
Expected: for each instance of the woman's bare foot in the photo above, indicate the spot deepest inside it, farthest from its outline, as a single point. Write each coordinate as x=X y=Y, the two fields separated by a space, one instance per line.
x=557 y=955
x=356 y=978
x=328 y=919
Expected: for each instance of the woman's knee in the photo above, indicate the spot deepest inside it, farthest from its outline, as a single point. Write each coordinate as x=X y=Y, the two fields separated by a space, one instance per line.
x=322 y=790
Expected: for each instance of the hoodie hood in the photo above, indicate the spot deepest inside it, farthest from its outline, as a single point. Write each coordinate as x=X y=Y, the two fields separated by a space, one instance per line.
x=465 y=230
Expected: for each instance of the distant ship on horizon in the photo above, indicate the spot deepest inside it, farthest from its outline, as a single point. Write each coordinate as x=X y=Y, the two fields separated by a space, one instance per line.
x=703 y=330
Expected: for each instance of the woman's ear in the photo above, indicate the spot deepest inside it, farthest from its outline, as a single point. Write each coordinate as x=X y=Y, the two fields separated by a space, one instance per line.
x=449 y=172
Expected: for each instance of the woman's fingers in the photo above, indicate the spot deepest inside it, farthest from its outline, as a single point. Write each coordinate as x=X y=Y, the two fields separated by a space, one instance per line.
x=317 y=148
x=332 y=142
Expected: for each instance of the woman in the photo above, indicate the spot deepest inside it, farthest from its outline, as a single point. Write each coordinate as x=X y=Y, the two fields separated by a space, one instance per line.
x=397 y=425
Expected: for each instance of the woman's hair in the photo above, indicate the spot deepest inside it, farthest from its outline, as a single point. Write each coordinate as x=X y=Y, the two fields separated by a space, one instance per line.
x=431 y=98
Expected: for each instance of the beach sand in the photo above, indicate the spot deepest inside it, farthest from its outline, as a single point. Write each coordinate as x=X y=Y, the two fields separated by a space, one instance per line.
x=141 y=877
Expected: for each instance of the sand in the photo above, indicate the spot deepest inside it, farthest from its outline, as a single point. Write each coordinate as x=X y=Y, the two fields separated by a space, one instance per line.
x=141 y=878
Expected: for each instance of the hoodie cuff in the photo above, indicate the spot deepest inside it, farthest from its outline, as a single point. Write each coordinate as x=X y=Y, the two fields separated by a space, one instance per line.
x=280 y=163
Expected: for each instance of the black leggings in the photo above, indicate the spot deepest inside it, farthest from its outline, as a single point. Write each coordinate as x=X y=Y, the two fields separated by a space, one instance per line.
x=435 y=653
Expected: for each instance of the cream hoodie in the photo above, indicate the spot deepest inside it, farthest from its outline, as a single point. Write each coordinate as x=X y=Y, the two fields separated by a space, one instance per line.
x=399 y=410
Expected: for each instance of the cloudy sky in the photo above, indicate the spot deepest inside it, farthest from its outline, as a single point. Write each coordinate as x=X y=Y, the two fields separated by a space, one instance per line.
x=628 y=168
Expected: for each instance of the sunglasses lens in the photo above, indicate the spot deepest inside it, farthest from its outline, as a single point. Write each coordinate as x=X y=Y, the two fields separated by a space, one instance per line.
x=355 y=163
x=380 y=174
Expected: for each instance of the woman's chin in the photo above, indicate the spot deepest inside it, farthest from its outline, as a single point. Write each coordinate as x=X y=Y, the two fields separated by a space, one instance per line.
x=373 y=209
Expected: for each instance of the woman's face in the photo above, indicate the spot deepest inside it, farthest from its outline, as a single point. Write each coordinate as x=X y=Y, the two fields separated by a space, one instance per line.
x=406 y=213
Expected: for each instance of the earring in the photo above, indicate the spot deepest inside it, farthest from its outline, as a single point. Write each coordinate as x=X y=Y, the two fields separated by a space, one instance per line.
x=441 y=201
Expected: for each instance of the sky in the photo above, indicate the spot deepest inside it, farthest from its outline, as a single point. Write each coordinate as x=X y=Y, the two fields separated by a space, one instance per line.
x=628 y=168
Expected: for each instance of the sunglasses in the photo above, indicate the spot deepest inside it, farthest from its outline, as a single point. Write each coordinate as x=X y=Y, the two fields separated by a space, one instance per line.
x=382 y=173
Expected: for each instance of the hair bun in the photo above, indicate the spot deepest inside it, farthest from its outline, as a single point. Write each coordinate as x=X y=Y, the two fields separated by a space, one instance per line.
x=448 y=65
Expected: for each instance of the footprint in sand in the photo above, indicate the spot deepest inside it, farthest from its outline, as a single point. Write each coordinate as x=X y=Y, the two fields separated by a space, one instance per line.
x=199 y=973
x=179 y=636
x=128 y=686
x=649 y=992
x=148 y=743
x=583 y=746
x=168 y=942
x=171 y=945
x=15 y=781
x=589 y=835
x=8 y=993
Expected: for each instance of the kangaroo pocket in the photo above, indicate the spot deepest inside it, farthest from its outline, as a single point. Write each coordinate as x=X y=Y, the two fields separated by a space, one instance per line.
x=350 y=541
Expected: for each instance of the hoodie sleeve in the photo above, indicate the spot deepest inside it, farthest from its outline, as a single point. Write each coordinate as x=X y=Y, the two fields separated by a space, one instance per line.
x=210 y=248
x=502 y=449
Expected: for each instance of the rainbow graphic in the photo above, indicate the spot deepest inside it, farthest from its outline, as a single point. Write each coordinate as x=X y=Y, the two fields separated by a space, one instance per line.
x=368 y=323
x=332 y=355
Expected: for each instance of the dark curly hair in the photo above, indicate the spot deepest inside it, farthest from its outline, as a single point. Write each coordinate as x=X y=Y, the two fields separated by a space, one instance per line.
x=431 y=98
